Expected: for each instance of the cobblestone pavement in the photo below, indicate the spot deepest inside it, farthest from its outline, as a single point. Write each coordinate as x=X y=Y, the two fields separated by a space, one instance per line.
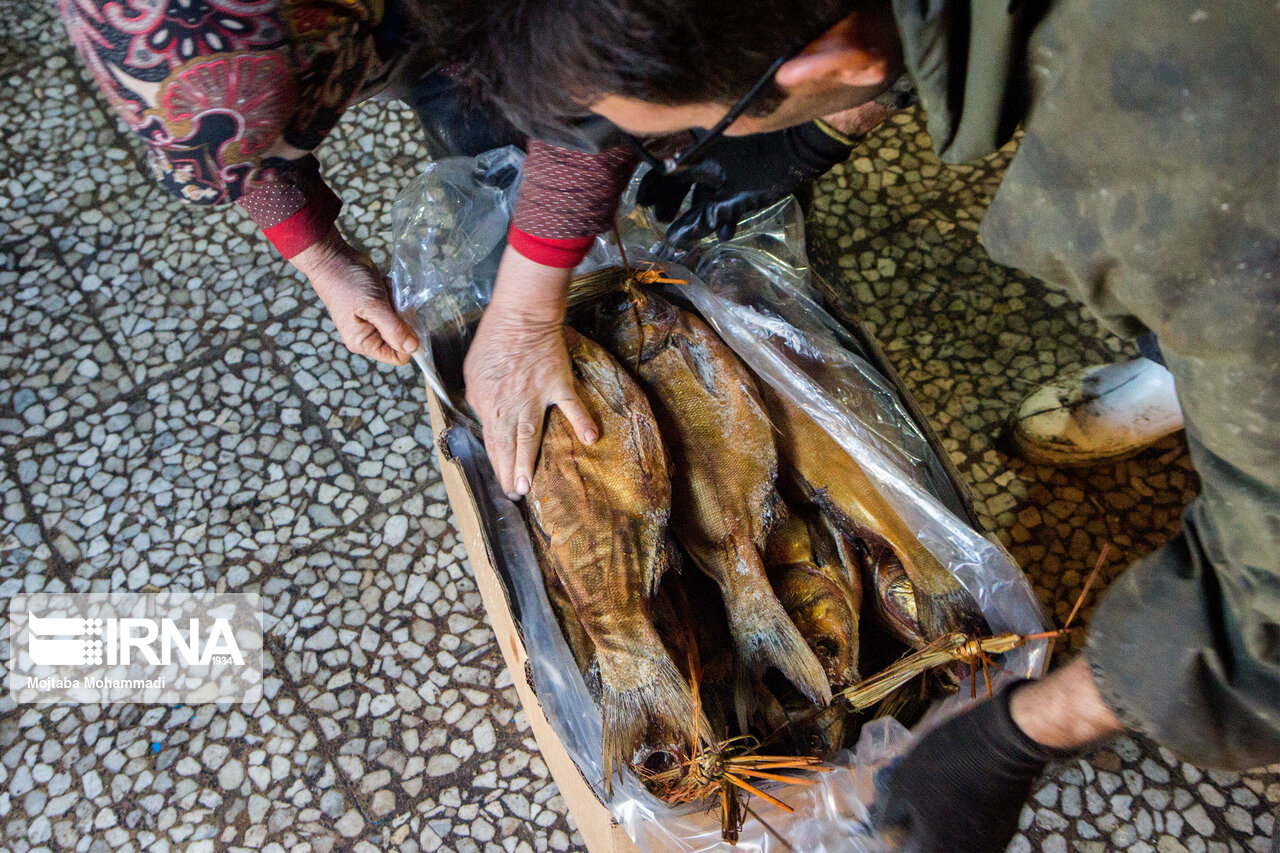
x=178 y=413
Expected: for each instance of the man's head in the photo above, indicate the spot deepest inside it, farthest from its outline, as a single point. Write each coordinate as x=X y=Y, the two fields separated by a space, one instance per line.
x=660 y=66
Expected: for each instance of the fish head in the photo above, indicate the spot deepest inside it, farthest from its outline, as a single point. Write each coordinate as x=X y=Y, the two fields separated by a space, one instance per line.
x=827 y=733
x=821 y=614
x=897 y=600
x=634 y=326
x=788 y=541
x=804 y=732
x=900 y=596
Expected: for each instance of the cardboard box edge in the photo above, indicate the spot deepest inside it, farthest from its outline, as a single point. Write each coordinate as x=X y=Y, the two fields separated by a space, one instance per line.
x=594 y=821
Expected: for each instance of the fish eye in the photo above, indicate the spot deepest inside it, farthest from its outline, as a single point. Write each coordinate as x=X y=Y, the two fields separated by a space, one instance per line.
x=660 y=761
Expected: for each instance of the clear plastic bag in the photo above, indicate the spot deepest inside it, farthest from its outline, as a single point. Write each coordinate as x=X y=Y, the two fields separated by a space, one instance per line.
x=756 y=292
x=449 y=228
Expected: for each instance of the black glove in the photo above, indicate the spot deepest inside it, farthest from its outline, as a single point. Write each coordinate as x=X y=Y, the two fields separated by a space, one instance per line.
x=962 y=787
x=740 y=175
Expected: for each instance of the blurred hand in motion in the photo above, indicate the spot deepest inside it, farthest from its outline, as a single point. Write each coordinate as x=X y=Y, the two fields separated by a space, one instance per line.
x=518 y=366
x=961 y=788
x=738 y=176
x=358 y=297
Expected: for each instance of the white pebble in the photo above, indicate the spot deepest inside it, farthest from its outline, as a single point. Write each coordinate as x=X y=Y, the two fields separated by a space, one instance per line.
x=322 y=640
x=350 y=823
x=231 y=775
x=395 y=531
x=442 y=765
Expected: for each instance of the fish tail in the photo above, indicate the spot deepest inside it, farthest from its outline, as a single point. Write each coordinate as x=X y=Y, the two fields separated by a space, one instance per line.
x=753 y=702
x=953 y=610
x=768 y=638
x=713 y=705
x=655 y=716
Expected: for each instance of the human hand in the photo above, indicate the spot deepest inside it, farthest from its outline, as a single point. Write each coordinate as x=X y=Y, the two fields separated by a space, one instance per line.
x=356 y=293
x=740 y=175
x=962 y=787
x=518 y=366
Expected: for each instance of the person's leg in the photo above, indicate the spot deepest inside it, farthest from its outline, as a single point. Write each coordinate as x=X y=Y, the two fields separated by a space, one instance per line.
x=1183 y=644
x=1145 y=184
x=1165 y=219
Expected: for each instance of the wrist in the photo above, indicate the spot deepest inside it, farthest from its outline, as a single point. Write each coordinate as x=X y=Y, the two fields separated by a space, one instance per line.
x=563 y=253
x=323 y=253
x=1016 y=742
x=528 y=293
x=305 y=226
x=1063 y=712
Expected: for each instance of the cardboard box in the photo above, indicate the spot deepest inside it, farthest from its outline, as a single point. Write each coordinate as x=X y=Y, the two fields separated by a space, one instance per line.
x=595 y=822
x=599 y=831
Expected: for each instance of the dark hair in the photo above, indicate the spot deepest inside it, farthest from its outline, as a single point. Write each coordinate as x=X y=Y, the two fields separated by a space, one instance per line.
x=547 y=60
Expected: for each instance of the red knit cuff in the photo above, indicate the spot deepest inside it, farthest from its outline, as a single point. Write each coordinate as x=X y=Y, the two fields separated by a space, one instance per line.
x=548 y=251
x=308 y=225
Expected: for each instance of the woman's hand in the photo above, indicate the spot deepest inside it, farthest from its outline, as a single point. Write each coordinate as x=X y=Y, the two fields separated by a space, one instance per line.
x=518 y=366
x=359 y=301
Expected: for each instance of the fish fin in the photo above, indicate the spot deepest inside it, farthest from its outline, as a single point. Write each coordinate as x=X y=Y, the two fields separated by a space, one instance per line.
x=668 y=560
x=591 y=677
x=954 y=610
x=775 y=510
x=713 y=706
x=653 y=717
x=772 y=640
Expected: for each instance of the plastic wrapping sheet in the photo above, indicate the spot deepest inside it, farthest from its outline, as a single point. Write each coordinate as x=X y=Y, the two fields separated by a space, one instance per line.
x=449 y=228
x=756 y=292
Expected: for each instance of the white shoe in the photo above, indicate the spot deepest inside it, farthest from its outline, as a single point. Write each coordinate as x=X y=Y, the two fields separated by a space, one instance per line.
x=1097 y=414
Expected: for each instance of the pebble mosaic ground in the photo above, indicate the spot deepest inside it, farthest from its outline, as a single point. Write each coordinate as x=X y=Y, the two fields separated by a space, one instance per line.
x=178 y=413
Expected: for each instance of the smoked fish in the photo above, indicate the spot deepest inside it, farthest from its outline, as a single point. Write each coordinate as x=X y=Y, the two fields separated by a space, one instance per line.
x=724 y=467
x=830 y=479
x=818 y=597
x=600 y=513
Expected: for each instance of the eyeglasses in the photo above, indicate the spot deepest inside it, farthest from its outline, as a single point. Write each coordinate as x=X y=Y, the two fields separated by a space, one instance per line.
x=671 y=165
